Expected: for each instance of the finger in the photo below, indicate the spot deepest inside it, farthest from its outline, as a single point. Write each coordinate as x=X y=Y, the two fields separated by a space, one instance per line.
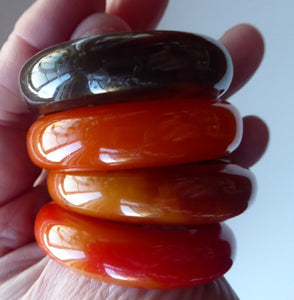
x=17 y=219
x=253 y=144
x=19 y=270
x=43 y=24
x=20 y=260
x=140 y=15
x=17 y=173
x=246 y=46
x=52 y=22
x=100 y=23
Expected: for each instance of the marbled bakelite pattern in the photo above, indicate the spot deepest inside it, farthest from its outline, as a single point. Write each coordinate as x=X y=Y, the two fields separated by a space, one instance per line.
x=119 y=67
x=135 y=135
x=136 y=256
x=187 y=194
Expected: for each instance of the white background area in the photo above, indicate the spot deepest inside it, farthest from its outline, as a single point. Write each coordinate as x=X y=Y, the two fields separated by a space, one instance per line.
x=264 y=265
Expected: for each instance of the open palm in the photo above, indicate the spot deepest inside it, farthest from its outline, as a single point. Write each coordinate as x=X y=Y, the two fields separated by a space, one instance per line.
x=24 y=272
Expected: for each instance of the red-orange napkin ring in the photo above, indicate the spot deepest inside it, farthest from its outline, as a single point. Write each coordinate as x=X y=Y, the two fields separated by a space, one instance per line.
x=136 y=256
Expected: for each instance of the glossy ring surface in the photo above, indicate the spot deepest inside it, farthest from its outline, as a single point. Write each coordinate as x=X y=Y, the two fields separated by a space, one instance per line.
x=136 y=256
x=135 y=135
x=119 y=67
x=183 y=195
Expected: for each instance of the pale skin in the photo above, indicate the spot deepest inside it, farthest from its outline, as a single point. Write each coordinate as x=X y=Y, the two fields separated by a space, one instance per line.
x=24 y=272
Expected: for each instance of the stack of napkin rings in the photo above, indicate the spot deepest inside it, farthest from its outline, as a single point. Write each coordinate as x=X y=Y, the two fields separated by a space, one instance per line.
x=134 y=136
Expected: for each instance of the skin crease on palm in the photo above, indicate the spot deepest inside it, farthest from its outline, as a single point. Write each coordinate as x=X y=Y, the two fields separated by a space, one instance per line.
x=24 y=272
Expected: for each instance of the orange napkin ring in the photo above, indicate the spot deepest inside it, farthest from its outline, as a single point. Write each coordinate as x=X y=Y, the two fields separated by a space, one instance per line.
x=135 y=135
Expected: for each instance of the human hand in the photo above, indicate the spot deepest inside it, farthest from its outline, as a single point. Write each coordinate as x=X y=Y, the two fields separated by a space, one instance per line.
x=23 y=271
